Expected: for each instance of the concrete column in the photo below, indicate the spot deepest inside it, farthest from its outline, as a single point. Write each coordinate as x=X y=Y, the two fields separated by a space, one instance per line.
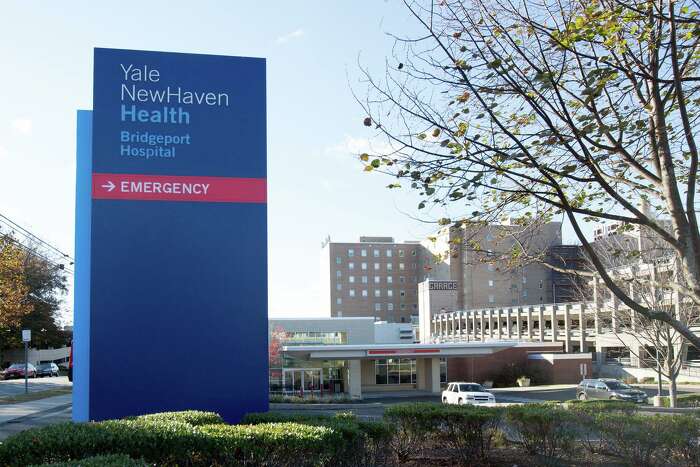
x=529 y=323
x=519 y=323
x=355 y=379
x=434 y=375
x=599 y=354
x=541 y=328
x=481 y=317
x=466 y=324
x=499 y=335
x=567 y=328
x=583 y=326
x=490 y=319
x=555 y=323
x=509 y=331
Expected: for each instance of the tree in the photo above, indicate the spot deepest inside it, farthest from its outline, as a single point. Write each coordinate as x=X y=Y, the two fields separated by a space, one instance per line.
x=540 y=108
x=37 y=285
x=14 y=300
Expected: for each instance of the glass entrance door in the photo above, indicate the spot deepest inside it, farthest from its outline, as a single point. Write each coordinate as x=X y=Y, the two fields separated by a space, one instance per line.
x=301 y=381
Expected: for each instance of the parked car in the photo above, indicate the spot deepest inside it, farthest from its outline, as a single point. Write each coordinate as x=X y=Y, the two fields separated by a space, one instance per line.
x=607 y=389
x=461 y=393
x=16 y=370
x=47 y=369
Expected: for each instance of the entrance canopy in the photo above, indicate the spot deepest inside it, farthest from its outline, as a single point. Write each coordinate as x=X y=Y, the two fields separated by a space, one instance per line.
x=378 y=351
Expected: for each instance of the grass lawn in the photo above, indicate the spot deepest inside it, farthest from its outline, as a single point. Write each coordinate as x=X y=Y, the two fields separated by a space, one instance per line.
x=32 y=396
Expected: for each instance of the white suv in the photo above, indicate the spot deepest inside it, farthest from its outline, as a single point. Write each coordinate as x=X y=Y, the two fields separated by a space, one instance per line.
x=467 y=393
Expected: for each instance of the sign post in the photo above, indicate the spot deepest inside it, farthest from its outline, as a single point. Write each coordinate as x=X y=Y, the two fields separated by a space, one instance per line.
x=26 y=338
x=171 y=237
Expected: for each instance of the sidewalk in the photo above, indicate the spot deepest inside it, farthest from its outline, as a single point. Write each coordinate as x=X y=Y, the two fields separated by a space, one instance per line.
x=11 y=412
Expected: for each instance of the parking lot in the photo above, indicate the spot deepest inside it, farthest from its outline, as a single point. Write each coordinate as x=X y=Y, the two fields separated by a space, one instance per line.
x=16 y=386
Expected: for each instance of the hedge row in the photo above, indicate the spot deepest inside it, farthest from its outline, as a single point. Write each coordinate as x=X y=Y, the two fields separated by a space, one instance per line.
x=550 y=433
x=683 y=400
x=197 y=438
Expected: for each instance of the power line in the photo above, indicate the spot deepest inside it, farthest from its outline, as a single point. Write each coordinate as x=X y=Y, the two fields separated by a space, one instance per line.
x=34 y=237
x=32 y=242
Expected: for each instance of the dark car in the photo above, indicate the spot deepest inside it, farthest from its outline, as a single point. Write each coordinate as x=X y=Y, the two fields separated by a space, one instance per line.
x=16 y=370
x=609 y=389
x=47 y=369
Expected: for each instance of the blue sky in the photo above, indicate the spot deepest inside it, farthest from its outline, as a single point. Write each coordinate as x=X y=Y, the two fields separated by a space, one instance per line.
x=316 y=185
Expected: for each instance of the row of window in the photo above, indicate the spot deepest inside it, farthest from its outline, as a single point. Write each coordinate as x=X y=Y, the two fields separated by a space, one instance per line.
x=377 y=266
x=401 y=371
x=377 y=279
x=378 y=306
x=377 y=292
x=376 y=252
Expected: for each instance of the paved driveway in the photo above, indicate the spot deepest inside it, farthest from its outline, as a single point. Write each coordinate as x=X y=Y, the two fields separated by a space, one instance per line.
x=16 y=386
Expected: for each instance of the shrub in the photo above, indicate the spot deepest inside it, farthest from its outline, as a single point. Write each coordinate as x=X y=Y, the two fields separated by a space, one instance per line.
x=648 y=380
x=468 y=430
x=545 y=431
x=596 y=406
x=682 y=400
x=642 y=440
x=113 y=460
x=279 y=444
x=171 y=442
x=191 y=417
x=364 y=443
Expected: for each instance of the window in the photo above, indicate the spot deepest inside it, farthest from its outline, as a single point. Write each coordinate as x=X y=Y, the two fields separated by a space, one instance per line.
x=338 y=301
x=377 y=279
x=338 y=286
x=402 y=280
x=413 y=265
x=364 y=266
x=376 y=253
x=377 y=307
x=338 y=274
x=363 y=252
x=491 y=267
x=524 y=279
x=491 y=299
x=351 y=292
x=488 y=237
x=389 y=293
x=413 y=252
x=524 y=293
x=364 y=279
x=403 y=306
x=351 y=253
x=390 y=306
x=338 y=260
x=364 y=292
x=377 y=293
x=402 y=293
x=388 y=253
x=389 y=280
x=490 y=282
x=402 y=266
x=351 y=279
x=389 y=266
x=540 y=284
x=351 y=265
x=395 y=371
x=376 y=266
x=401 y=253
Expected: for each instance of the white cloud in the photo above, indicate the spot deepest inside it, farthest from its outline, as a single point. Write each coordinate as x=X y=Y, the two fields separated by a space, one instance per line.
x=3 y=152
x=288 y=37
x=22 y=125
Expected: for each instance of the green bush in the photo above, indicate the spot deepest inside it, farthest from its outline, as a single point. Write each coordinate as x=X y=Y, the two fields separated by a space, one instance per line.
x=641 y=440
x=172 y=442
x=113 y=460
x=545 y=431
x=467 y=430
x=364 y=443
x=191 y=417
x=596 y=406
x=683 y=400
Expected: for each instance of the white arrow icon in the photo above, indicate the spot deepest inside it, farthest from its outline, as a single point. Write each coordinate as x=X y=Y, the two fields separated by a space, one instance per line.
x=109 y=185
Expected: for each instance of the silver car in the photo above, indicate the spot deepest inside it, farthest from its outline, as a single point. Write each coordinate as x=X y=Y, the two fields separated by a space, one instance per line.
x=609 y=389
